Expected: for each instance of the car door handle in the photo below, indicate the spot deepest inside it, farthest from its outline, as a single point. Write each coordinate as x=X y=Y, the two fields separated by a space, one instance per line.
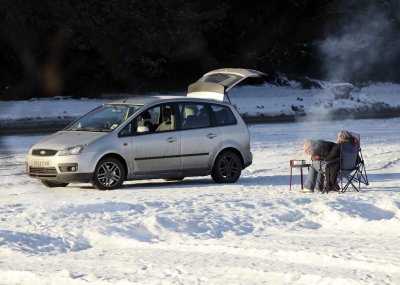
x=211 y=136
x=171 y=140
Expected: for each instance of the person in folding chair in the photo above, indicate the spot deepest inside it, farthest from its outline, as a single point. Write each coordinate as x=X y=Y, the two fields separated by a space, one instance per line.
x=320 y=152
x=349 y=165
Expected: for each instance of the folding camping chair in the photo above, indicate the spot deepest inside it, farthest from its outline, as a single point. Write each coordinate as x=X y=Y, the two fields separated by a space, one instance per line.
x=352 y=168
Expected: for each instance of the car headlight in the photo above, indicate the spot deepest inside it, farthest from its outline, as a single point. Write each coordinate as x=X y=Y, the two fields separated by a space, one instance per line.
x=73 y=150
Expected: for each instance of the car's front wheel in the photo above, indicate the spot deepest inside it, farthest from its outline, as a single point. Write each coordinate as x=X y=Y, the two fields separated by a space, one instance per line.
x=109 y=174
x=53 y=184
x=227 y=168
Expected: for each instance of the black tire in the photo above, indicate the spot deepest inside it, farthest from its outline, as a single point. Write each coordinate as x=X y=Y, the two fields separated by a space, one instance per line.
x=174 y=179
x=51 y=184
x=227 y=168
x=109 y=174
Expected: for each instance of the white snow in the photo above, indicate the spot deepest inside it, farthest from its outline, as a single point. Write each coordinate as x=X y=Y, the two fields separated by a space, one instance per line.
x=40 y=109
x=196 y=232
x=270 y=100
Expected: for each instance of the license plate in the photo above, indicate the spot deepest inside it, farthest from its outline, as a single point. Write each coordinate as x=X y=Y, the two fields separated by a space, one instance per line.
x=41 y=163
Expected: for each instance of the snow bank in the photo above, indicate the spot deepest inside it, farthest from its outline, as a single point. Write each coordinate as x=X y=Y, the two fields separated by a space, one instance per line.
x=251 y=101
x=271 y=101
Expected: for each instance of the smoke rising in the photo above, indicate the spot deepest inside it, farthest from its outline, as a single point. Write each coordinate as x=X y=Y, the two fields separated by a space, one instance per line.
x=363 y=44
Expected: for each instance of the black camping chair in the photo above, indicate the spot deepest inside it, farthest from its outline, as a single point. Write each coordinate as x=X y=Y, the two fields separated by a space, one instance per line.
x=352 y=168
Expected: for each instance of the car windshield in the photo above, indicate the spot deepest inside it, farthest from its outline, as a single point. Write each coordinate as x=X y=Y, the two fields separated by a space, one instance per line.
x=105 y=118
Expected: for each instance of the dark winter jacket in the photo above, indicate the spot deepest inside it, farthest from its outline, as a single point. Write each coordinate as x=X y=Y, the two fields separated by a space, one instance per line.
x=325 y=150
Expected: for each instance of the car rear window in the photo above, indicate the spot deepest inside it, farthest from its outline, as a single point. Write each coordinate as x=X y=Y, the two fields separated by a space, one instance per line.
x=194 y=115
x=223 y=115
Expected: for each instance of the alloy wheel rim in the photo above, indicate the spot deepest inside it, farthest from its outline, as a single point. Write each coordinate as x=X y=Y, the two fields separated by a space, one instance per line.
x=109 y=174
x=228 y=167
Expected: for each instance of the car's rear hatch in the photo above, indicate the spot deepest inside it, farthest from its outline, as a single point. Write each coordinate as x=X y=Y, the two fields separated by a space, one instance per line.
x=215 y=84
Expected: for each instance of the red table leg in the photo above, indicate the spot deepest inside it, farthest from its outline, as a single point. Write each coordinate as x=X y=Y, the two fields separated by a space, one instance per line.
x=301 y=173
x=291 y=168
x=301 y=166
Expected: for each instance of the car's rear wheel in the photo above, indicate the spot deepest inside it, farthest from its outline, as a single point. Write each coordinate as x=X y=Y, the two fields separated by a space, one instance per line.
x=227 y=168
x=53 y=184
x=109 y=174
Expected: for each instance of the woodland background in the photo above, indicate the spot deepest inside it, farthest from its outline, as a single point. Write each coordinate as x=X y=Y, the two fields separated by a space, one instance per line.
x=86 y=48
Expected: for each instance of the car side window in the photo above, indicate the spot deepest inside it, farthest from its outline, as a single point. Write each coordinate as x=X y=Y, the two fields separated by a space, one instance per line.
x=126 y=131
x=194 y=115
x=223 y=115
x=157 y=119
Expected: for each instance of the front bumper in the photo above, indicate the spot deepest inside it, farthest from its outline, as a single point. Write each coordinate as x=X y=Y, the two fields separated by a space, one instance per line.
x=50 y=168
x=63 y=177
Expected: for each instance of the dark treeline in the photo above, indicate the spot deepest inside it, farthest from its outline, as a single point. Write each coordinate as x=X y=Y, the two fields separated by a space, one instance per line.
x=89 y=47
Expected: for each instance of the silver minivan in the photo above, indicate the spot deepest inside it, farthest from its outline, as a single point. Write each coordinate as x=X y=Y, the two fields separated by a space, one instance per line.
x=169 y=137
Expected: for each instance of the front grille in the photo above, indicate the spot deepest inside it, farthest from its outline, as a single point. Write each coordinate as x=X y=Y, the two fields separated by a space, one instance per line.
x=44 y=152
x=43 y=171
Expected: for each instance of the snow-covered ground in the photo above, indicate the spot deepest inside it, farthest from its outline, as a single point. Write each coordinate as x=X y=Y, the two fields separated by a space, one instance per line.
x=196 y=232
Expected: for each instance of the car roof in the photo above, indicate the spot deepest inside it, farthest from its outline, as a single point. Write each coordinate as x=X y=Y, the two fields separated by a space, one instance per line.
x=149 y=100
